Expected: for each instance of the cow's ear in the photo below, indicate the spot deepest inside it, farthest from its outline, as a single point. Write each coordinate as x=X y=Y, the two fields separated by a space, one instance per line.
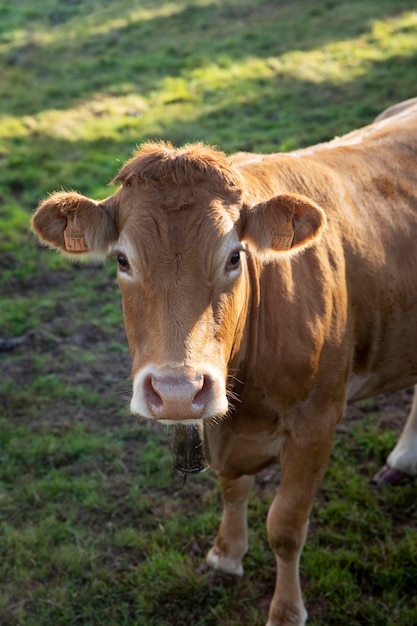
x=75 y=225
x=285 y=223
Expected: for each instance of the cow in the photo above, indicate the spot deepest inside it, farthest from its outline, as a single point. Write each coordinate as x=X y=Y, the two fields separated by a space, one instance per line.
x=261 y=294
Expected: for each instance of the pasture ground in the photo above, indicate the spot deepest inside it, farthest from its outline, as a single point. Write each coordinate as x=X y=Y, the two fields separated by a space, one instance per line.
x=95 y=527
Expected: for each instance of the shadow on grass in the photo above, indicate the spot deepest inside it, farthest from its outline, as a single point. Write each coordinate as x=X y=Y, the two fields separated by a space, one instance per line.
x=81 y=49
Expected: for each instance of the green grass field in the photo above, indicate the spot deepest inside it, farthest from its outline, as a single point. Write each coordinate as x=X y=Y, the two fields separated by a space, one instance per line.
x=95 y=526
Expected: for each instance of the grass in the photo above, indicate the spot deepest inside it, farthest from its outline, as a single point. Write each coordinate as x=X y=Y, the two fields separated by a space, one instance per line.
x=95 y=528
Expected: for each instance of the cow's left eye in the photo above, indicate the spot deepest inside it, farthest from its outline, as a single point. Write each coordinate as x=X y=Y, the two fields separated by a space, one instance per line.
x=123 y=262
x=234 y=260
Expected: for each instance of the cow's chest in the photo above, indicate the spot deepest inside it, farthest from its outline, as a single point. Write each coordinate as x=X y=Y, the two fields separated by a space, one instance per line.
x=245 y=443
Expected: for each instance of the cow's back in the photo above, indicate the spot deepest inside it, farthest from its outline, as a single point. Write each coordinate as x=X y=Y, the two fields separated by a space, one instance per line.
x=367 y=184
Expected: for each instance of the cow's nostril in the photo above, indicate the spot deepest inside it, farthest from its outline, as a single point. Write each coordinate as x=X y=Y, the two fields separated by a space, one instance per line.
x=153 y=399
x=201 y=398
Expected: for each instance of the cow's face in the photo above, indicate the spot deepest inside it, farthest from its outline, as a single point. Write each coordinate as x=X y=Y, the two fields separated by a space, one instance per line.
x=182 y=276
x=181 y=234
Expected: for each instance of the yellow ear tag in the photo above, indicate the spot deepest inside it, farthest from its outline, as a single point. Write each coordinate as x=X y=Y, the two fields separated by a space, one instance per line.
x=74 y=237
x=283 y=239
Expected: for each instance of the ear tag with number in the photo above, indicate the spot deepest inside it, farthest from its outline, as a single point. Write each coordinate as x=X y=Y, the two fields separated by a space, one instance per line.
x=74 y=237
x=283 y=239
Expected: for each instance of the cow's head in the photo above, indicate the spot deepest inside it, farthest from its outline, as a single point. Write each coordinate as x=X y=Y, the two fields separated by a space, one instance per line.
x=181 y=228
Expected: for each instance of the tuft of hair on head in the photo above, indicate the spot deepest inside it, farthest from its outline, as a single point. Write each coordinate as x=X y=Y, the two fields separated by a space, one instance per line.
x=195 y=163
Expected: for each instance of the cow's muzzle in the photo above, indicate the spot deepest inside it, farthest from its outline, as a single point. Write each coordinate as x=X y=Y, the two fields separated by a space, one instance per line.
x=178 y=394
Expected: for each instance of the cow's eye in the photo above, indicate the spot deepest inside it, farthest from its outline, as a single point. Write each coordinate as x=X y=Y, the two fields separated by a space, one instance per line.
x=234 y=260
x=123 y=262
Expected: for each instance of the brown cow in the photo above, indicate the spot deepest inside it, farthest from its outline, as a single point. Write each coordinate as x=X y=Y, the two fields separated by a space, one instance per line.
x=260 y=294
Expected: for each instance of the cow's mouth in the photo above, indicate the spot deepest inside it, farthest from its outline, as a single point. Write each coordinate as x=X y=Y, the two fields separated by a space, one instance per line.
x=190 y=448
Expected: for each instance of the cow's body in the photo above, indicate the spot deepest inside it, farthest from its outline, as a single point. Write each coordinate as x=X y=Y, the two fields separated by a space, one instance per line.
x=262 y=293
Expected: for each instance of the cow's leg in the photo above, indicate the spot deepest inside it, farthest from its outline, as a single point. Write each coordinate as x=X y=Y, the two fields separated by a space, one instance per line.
x=303 y=468
x=231 y=543
x=402 y=460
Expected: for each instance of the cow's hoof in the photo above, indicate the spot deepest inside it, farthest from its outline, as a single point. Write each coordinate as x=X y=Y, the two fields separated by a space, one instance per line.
x=223 y=564
x=389 y=476
x=216 y=578
x=287 y=615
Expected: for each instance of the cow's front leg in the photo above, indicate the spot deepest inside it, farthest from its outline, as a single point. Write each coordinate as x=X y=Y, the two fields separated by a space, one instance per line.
x=231 y=543
x=303 y=468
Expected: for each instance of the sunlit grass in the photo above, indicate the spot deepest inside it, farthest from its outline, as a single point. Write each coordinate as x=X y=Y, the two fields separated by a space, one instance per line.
x=212 y=85
x=335 y=61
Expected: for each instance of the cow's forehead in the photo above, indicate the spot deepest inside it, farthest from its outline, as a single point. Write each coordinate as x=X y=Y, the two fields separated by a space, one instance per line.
x=174 y=207
x=168 y=205
x=152 y=227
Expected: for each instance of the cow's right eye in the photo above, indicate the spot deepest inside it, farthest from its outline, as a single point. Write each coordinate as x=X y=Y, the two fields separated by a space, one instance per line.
x=234 y=260
x=122 y=262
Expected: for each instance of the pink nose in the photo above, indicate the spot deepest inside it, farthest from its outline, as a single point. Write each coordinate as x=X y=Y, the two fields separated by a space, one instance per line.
x=177 y=397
